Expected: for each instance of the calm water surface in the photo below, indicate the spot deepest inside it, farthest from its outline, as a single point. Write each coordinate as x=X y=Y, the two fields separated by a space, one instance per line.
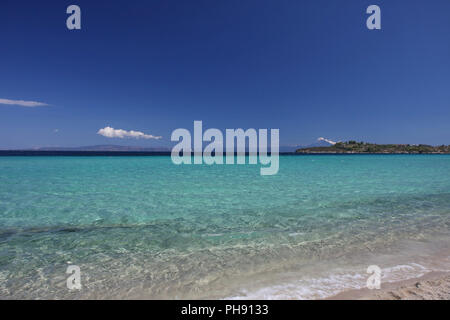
x=142 y=227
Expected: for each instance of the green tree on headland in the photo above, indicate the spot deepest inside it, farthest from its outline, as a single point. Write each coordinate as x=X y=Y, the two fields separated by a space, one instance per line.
x=352 y=146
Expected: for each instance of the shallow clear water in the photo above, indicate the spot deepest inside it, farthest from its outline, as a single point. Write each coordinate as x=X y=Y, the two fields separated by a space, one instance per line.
x=142 y=227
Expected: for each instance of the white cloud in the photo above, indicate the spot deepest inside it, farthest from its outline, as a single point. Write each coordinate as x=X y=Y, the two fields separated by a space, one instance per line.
x=119 y=133
x=326 y=140
x=23 y=103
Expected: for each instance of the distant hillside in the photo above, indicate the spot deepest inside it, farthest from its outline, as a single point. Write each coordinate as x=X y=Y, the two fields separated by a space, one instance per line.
x=106 y=148
x=363 y=147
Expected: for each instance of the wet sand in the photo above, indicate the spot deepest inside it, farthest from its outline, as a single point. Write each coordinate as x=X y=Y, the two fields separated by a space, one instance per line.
x=432 y=286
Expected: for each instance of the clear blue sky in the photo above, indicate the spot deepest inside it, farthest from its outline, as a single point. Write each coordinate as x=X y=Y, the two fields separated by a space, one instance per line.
x=310 y=68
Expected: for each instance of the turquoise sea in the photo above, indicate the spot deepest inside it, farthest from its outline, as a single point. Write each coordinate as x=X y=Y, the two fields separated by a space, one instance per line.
x=142 y=227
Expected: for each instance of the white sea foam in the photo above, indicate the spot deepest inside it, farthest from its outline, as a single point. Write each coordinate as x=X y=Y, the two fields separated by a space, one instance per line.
x=332 y=284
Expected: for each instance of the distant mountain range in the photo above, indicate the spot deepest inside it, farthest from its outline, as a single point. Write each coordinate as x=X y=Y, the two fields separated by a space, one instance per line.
x=118 y=148
x=106 y=148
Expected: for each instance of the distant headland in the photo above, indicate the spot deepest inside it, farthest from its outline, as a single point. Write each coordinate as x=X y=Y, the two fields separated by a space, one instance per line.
x=364 y=147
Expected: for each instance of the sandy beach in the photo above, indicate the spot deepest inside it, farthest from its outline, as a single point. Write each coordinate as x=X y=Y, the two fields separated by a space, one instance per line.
x=432 y=286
